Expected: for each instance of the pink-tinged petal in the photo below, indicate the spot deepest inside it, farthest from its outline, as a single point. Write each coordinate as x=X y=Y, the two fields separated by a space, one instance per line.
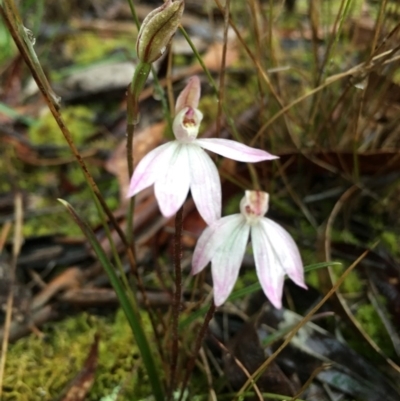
x=205 y=184
x=150 y=167
x=234 y=150
x=275 y=254
x=212 y=238
x=190 y=95
x=287 y=251
x=226 y=262
x=171 y=187
x=269 y=270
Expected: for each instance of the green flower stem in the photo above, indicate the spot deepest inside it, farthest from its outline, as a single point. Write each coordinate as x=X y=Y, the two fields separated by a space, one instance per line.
x=139 y=79
x=134 y=14
x=125 y=301
x=142 y=71
x=158 y=90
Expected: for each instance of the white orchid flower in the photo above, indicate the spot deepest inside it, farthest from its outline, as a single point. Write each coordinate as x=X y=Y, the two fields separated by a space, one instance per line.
x=224 y=244
x=180 y=165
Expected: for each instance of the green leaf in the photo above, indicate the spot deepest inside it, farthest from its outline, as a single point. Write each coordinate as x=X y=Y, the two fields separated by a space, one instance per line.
x=132 y=317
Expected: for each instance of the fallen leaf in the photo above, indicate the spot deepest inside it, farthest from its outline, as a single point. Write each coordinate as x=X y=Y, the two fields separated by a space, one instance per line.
x=83 y=381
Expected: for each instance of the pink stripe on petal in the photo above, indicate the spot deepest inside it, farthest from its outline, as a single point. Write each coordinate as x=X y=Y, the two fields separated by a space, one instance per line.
x=269 y=270
x=171 y=187
x=226 y=262
x=212 y=238
x=287 y=251
x=234 y=150
x=150 y=167
x=205 y=184
x=205 y=249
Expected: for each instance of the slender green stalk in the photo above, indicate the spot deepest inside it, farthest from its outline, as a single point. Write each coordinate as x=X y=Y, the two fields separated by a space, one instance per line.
x=142 y=71
x=132 y=317
x=114 y=251
x=134 y=15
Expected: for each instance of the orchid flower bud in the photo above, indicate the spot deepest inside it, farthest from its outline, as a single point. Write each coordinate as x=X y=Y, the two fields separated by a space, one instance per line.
x=157 y=30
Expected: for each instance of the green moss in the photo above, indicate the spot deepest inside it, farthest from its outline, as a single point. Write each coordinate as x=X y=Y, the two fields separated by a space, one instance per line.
x=344 y=235
x=88 y=47
x=39 y=369
x=239 y=96
x=391 y=241
x=60 y=223
x=78 y=119
x=312 y=278
x=51 y=217
x=352 y=284
x=209 y=107
x=372 y=324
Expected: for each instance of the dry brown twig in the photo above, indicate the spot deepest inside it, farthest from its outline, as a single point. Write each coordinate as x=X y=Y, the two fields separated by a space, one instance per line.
x=17 y=243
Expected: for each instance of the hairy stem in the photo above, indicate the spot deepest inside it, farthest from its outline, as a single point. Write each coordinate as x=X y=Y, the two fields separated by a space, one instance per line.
x=177 y=297
x=197 y=346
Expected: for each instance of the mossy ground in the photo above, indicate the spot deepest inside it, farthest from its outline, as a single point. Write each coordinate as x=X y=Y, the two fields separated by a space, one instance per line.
x=39 y=369
x=79 y=120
